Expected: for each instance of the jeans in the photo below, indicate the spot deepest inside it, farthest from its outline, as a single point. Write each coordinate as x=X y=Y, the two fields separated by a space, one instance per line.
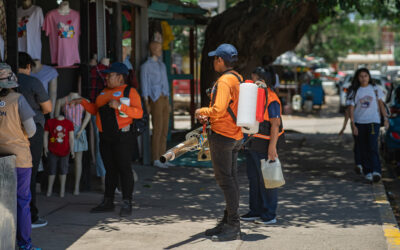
x=224 y=152
x=356 y=150
x=117 y=160
x=23 y=210
x=367 y=141
x=100 y=170
x=36 y=147
x=263 y=202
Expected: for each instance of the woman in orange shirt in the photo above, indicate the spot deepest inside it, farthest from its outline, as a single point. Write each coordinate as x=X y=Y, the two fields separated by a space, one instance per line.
x=114 y=120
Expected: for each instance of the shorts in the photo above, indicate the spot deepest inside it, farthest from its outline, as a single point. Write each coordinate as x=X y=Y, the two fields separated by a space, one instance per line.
x=60 y=162
x=81 y=143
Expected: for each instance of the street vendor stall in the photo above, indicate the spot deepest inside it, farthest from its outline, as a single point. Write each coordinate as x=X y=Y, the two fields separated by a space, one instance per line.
x=286 y=66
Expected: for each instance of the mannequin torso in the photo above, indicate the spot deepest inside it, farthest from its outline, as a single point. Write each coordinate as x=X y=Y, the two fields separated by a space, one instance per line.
x=64 y=9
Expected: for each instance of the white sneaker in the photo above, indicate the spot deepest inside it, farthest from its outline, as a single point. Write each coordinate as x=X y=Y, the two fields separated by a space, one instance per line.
x=358 y=169
x=368 y=177
x=158 y=164
x=266 y=222
x=376 y=176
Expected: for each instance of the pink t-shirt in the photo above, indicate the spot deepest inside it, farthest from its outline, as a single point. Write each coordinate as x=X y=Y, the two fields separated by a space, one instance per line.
x=63 y=32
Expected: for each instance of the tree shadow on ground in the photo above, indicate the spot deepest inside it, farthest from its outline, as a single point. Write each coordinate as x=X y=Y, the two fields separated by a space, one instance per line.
x=320 y=188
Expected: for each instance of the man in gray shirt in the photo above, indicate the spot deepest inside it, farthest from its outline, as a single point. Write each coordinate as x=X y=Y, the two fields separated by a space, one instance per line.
x=35 y=94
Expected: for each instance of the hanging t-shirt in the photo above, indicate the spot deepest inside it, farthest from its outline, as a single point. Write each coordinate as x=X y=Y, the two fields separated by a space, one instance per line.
x=59 y=136
x=45 y=75
x=30 y=22
x=365 y=105
x=63 y=32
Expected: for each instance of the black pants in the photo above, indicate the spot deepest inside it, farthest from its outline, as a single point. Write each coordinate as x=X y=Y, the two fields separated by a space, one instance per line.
x=224 y=153
x=36 y=151
x=117 y=162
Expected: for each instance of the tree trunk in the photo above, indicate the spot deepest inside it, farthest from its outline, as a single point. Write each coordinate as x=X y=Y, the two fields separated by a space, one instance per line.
x=256 y=31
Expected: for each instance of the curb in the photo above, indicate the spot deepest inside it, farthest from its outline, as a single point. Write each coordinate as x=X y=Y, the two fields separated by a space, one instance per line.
x=389 y=223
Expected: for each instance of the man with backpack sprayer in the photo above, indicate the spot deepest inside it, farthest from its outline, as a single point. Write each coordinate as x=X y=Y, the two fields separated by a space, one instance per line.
x=224 y=139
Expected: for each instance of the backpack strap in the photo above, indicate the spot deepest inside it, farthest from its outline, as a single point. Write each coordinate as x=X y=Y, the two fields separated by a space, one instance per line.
x=229 y=109
x=127 y=90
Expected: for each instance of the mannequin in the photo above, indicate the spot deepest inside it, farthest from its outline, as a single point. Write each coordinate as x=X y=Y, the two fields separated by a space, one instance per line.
x=48 y=76
x=80 y=122
x=154 y=76
x=26 y=4
x=61 y=137
x=64 y=9
x=105 y=61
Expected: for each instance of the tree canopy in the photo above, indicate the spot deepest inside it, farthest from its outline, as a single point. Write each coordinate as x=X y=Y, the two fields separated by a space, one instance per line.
x=267 y=28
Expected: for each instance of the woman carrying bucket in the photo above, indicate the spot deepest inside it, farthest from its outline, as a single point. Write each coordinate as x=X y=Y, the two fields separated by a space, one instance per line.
x=263 y=202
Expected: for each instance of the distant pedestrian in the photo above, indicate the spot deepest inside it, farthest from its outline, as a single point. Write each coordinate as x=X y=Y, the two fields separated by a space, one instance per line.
x=263 y=202
x=366 y=108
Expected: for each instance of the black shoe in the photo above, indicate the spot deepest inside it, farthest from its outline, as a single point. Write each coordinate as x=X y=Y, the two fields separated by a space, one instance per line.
x=107 y=205
x=249 y=217
x=229 y=232
x=126 y=208
x=217 y=229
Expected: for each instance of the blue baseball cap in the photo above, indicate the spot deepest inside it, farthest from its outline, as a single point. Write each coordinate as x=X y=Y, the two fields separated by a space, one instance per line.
x=117 y=67
x=226 y=51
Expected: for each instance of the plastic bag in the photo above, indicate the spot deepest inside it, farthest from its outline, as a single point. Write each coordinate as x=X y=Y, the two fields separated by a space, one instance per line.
x=272 y=173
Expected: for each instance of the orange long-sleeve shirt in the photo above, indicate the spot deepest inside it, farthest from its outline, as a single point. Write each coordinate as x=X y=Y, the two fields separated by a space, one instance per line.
x=134 y=111
x=220 y=119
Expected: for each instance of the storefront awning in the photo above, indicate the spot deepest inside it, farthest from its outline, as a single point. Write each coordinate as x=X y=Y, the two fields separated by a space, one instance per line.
x=162 y=9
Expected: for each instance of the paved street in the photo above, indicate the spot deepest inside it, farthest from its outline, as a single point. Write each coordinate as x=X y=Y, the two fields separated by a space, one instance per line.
x=324 y=205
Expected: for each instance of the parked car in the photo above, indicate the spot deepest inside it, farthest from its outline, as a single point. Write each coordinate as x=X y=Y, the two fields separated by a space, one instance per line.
x=381 y=82
x=181 y=90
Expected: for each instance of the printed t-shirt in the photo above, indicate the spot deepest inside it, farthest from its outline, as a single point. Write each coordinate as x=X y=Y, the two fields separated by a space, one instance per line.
x=34 y=92
x=365 y=105
x=59 y=136
x=63 y=32
x=133 y=111
x=220 y=119
x=30 y=22
x=45 y=75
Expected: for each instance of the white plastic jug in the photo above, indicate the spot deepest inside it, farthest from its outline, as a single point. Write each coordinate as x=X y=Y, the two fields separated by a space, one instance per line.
x=272 y=173
x=296 y=103
x=251 y=130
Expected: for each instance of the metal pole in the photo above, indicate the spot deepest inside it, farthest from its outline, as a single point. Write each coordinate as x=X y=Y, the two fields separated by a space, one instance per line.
x=191 y=55
x=12 y=37
x=101 y=29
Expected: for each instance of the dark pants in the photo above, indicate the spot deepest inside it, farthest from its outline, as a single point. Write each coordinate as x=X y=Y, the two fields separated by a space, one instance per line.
x=224 y=153
x=367 y=141
x=36 y=146
x=356 y=150
x=117 y=161
x=263 y=202
x=23 y=211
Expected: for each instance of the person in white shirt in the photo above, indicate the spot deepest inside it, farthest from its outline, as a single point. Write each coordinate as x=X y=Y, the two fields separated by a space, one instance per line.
x=366 y=107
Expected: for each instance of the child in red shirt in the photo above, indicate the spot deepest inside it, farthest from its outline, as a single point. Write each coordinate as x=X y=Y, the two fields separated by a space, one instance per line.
x=58 y=144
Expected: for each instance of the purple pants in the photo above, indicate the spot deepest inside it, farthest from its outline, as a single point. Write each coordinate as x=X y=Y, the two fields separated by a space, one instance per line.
x=23 y=208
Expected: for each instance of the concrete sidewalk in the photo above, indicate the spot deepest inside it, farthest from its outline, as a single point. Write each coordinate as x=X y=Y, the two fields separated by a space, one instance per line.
x=324 y=205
